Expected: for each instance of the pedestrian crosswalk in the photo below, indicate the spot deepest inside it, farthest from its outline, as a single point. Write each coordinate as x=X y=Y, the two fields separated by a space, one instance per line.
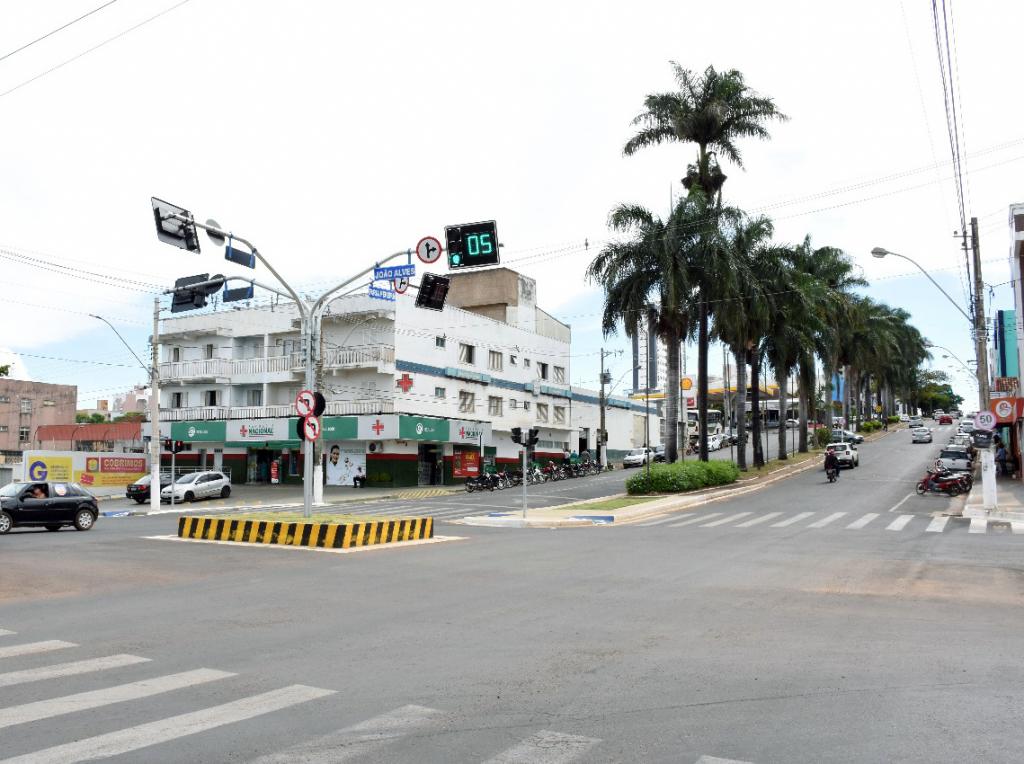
x=377 y=738
x=816 y=520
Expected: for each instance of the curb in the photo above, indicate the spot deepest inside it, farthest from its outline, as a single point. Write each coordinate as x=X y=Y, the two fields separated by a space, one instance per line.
x=323 y=535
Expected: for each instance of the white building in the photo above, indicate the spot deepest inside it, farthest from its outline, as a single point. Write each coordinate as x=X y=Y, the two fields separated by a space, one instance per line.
x=413 y=394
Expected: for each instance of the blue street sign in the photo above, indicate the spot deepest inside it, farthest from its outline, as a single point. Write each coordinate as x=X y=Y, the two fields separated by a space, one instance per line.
x=394 y=272
x=382 y=294
x=237 y=256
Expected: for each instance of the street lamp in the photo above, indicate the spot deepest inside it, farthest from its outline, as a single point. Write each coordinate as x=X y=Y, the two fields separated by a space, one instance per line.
x=881 y=252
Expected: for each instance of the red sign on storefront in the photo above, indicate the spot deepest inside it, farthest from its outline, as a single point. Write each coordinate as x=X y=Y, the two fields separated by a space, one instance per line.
x=1007 y=410
x=465 y=463
x=122 y=464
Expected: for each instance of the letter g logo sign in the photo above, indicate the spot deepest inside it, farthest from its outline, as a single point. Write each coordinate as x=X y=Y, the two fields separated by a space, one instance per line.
x=37 y=471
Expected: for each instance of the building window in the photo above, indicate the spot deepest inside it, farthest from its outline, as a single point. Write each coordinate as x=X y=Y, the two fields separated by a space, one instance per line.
x=175 y=354
x=494 y=360
x=211 y=397
x=526 y=405
x=24 y=434
x=559 y=375
x=542 y=370
x=526 y=363
x=512 y=359
x=439 y=342
x=542 y=412
x=494 y=406
x=439 y=392
x=254 y=398
x=5 y=399
x=512 y=403
x=3 y=428
x=559 y=414
x=467 y=402
x=466 y=353
x=26 y=405
x=208 y=352
x=178 y=400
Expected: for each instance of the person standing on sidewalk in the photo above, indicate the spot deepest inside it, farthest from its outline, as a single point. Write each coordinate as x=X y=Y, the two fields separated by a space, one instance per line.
x=1001 y=460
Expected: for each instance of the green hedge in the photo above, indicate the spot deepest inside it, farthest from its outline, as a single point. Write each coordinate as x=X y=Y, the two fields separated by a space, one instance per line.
x=894 y=419
x=682 y=476
x=821 y=437
x=870 y=426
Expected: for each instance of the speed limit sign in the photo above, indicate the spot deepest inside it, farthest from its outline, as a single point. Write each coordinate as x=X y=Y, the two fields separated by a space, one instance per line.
x=985 y=420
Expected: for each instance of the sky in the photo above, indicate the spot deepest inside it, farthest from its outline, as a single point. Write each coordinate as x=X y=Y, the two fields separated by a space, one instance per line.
x=334 y=134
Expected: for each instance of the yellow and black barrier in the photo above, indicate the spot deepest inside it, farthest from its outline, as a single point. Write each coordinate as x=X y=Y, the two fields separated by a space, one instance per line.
x=323 y=535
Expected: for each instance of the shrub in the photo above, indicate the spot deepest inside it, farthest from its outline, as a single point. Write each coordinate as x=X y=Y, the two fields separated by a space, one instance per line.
x=894 y=419
x=822 y=437
x=682 y=476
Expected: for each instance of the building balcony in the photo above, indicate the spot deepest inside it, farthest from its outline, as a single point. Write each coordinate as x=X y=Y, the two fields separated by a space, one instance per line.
x=365 y=357
x=334 y=408
x=208 y=369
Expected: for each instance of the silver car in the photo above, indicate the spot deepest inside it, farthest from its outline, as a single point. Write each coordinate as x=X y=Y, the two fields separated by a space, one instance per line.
x=920 y=435
x=198 y=485
x=955 y=459
x=846 y=453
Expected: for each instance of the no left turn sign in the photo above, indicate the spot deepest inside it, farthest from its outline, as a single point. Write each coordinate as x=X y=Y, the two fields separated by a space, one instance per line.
x=305 y=402
x=311 y=428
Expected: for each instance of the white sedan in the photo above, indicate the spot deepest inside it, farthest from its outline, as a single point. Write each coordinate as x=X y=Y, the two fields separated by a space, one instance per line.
x=198 y=485
x=637 y=457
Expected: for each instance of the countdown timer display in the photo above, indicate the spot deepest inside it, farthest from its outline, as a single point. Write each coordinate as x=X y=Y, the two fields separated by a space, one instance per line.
x=472 y=245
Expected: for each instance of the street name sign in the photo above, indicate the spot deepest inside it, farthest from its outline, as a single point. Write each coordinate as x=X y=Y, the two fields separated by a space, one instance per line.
x=378 y=293
x=392 y=272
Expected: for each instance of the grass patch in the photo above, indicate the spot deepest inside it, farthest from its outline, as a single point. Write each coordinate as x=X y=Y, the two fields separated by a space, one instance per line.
x=682 y=476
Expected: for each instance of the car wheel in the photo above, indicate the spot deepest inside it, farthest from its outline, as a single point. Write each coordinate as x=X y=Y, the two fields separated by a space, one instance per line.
x=139 y=500
x=190 y=497
x=84 y=520
x=6 y=523
x=53 y=527
x=225 y=492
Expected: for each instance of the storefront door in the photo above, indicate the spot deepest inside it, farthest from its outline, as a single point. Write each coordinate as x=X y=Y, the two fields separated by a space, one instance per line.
x=429 y=464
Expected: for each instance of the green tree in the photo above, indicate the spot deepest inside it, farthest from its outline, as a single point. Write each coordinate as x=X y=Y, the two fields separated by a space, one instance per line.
x=5 y=370
x=711 y=110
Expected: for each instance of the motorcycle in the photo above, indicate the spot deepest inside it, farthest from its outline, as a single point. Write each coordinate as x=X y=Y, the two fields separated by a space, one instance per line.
x=932 y=482
x=965 y=478
x=832 y=473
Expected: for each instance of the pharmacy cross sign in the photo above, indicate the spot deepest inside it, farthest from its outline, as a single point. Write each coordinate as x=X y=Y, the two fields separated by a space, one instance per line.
x=377 y=427
x=404 y=383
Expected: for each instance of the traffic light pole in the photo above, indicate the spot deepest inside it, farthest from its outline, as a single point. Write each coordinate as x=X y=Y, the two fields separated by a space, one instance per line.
x=154 y=413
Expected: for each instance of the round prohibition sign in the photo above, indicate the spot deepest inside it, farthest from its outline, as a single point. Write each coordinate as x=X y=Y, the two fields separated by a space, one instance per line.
x=428 y=249
x=400 y=285
x=311 y=428
x=305 y=402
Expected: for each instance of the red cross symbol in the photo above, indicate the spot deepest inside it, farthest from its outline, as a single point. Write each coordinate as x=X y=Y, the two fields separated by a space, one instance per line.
x=243 y=430
x=462 y=432
x=405 y=383
x=377 y=427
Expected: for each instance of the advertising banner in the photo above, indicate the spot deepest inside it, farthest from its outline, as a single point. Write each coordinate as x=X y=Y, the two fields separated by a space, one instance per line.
x=197 y=432
x=91 y=469
x=42 y=466
x=255 y=430
x=344 y=461
x=1007 y=410
x=465 y=462
x=469 y=432
x=374 y=427
x=422 y=428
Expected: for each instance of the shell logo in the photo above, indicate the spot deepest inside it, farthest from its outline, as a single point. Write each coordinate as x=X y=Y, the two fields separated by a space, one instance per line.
x=686 y=383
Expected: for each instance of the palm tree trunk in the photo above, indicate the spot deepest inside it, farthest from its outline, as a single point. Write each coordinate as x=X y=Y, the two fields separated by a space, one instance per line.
x=782 y=380
x=829 y=392
x=803 y=383
x=741 y=409
x=847 y=377
x=702 y=380
x=755 y=406
x=672 y=398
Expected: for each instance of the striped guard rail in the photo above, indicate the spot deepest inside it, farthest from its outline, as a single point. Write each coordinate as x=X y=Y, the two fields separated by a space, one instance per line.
x=325 y=535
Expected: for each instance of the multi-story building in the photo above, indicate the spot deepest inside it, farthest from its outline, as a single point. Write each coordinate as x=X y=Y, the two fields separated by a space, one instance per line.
x=413 y=396
x=25 y=406
x=650 y=360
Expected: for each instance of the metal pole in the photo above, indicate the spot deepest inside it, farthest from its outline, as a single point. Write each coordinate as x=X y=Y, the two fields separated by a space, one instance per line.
x=647 y=429
x=980 y=333
x=154 y=413
x=525 y=449
x=602 y=458
x=308 y=343
x=174 y=457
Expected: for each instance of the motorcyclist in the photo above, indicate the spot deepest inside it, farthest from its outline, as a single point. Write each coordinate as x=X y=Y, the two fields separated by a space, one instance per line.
x=831 y=461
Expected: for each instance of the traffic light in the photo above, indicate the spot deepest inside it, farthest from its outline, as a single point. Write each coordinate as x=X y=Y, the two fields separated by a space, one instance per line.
x=188 y=296
x=432 y=291
x=472 y=244
x=168 y=445
x=171 y=229
x=179 y=446
x=517 y=435
x=534 y=436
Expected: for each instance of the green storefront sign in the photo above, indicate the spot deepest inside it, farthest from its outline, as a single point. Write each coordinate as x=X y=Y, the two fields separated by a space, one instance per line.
x=422 y=428
x=199 y=432
x=332 y=428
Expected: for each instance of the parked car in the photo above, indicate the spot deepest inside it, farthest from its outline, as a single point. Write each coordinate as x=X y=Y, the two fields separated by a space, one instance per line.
x=792 y=423
x=47 y=505
x=139 y=490
x=198 y=485
x=659 y=453
x=717 y=441
x=954 y=459
x=904 y=417
x=637 y=457
x=841 y=436
x=945 y=419
x=920 y=435
x=966 y=426
x=846 y=453
x=731 y=437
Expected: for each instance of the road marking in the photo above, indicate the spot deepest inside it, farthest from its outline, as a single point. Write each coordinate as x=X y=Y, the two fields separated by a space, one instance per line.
x=83 y=701
x=759 y=519
x=358 y=740
x=1016 y=526
x=716 y=760
x=901 y=501
x=899 y=523
x=826 y=520
x=794 y=519
x=978 y=525
x=695 y=519
x=350 y=550
x=725 y=520
x=171 y=728
x=659 y=521
x=31 y=648
x=72 y=668
x=856 y=525
x=6 y=633
x=937 y=525
x=546 y=748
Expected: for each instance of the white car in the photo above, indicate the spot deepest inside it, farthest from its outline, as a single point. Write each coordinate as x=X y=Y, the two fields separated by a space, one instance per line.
x=846 y=453
x=198 y=485
x=916 y=421
x=920 y=435
x=717 y=441
x=954 y=458
x=638 y=457
x=904 y=417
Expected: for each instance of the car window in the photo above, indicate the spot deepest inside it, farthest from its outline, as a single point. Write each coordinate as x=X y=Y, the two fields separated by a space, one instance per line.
x=186 y=479
x=11 y=489
x=60 y=489
x=144 y=480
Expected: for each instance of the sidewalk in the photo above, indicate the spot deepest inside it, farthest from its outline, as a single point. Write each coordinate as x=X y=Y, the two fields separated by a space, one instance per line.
x=1009 y=501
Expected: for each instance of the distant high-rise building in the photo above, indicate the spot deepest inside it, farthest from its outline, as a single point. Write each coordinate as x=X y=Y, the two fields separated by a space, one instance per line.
x=650 y=360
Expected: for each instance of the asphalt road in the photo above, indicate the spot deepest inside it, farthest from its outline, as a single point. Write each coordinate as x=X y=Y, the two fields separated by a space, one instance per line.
x=739 y=636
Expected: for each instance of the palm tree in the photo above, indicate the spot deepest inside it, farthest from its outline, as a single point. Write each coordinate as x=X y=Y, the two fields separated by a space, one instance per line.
x=645 y=279
x=712 y=110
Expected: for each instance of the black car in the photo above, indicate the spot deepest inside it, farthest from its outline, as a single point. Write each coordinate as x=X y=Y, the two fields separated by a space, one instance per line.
x=47 y=505
x=139 y=490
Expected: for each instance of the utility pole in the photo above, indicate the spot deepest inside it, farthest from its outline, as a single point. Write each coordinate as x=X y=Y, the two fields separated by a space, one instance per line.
x=154 y=413
x=318 y=384
x=602 y=456
x=980 y=333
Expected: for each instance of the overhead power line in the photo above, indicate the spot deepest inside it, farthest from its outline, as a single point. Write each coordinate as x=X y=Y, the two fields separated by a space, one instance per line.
x=58 y=29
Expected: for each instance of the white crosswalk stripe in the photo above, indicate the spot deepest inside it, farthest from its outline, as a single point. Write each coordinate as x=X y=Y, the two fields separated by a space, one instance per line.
x=937 y=525
x=47 y=709
x=545 y=748
x=1017 y=527
x=826 y=520
x=899 y=523
x=725 y=520
x=358 y=740
x=73 y=668
x=6 y=633
x=174 y=727
x=856 y=525
x=978 y=525
x=759 y=519
x=716 y=760
x=794 y=519
x=695 y=519
x=659 y=521
x=31 y=648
